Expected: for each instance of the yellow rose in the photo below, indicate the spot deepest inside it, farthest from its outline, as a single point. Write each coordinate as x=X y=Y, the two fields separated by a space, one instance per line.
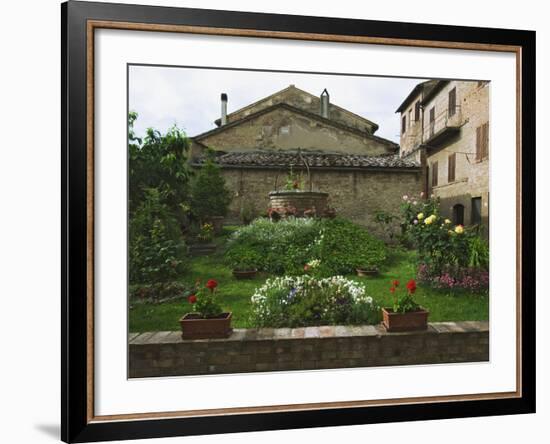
x=447 y=221
x=429 y=220
x=459 y=229
x=420 y=216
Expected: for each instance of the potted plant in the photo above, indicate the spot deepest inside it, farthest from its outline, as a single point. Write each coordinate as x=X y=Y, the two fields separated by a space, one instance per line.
x=208 y=320
x=244 y=265
x=406 y=314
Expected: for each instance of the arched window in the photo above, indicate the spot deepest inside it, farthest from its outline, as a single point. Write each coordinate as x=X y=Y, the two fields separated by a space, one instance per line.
x=458 y=214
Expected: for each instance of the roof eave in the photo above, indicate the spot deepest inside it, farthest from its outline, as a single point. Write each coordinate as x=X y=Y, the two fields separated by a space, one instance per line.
x=415 y=169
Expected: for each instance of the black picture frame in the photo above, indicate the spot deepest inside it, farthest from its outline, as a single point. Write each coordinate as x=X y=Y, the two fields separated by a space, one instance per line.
x=76 y=423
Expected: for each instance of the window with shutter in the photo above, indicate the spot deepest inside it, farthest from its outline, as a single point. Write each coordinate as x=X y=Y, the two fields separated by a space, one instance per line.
x=452 y=167
x=458 y=214
x=482 y=142
x=452 y=102
x=478 y=143
x=432 y=121
x=485 y=135
x=417 y=111
x=434 y=174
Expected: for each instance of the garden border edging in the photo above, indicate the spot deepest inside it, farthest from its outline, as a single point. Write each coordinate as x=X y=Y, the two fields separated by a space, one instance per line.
x=165 y=353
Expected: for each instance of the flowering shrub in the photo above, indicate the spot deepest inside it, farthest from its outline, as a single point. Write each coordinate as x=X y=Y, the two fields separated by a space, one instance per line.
x=438 y=242
x=284 y=247
x=467 y=278
x=305 y=300
x=204 y=301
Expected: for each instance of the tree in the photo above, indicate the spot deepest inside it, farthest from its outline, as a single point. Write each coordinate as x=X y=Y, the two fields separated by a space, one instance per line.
x=209 y=195
x=157 y=251
x=158 y=193
x=159 y=161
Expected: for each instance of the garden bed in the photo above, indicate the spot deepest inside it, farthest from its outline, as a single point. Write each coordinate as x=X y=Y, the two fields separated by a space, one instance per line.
x=235 y=295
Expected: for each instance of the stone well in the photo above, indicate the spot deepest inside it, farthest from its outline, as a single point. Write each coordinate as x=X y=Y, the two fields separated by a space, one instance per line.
x=301 y=200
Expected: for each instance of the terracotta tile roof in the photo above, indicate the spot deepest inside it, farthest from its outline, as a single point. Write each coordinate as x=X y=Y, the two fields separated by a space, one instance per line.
x=259 y=159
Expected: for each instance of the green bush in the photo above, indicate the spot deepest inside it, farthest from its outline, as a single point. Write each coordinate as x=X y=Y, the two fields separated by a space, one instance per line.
x=478 y=253
x=344 y=246
x=305 y=300
x=278 y=247
x=285 y=247
x=209 y=195
x=157 y=252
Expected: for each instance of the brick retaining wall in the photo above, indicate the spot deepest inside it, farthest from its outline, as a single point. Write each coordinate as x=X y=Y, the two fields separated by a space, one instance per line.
x=267 y=349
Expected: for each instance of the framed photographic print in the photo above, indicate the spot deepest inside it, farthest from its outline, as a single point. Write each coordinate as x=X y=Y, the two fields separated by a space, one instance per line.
x=275 y=221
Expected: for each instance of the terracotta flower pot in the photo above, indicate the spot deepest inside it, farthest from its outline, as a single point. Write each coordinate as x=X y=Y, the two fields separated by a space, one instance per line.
x=244 y=274
x=193 y=326
x=412 y=320
x=367 y=271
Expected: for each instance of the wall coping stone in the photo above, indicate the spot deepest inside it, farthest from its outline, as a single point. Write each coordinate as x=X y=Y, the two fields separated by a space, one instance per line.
x=321 y=332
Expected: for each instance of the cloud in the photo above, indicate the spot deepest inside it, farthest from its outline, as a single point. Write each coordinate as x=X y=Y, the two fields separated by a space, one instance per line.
x=190 y=97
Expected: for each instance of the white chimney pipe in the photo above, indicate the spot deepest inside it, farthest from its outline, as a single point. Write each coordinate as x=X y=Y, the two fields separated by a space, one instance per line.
x=224 y=109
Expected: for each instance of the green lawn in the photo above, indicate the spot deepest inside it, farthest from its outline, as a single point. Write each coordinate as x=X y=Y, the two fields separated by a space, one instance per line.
x=235 y=294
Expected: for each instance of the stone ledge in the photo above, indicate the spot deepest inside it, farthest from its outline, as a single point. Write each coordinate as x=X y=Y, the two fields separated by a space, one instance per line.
x=322 y=332
x=164 y=353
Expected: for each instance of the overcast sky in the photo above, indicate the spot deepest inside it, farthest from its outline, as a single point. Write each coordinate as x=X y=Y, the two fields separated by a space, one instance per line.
x=190 y=97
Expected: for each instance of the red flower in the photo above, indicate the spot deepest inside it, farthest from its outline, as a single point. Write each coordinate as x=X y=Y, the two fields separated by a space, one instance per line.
x=211 y=284
x=411 y=286
x=192 y=299
x=395 y=283
x=392 y=289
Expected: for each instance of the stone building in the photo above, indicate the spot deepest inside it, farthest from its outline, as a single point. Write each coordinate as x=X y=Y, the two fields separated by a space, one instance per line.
x=335 y=151
x=445 y=127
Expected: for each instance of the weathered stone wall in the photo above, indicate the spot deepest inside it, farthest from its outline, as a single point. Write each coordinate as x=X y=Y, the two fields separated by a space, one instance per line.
x=257 y=350
x=412 y=137
x=306 y=101
x=284 y=129
x=471 y=175
x=355 y=194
